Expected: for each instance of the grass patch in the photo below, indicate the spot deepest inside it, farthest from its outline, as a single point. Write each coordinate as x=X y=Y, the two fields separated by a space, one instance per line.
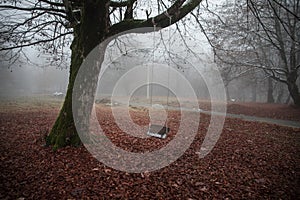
x=30 y=103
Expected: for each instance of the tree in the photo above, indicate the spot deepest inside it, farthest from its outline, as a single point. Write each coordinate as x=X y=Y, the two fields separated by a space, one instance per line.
x=262 y=35
x=89 y=22
x=282 y=32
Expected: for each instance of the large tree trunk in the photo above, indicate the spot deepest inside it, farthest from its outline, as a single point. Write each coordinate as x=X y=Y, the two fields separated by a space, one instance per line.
x=63 y=131
x=87 y=35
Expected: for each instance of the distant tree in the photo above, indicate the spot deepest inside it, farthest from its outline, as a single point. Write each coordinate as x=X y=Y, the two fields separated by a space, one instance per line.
x=262 y=35
x=54 y=24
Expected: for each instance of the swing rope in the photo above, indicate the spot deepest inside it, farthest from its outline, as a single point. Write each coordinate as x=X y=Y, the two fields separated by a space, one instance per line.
x=169 y=48
x=153 y=57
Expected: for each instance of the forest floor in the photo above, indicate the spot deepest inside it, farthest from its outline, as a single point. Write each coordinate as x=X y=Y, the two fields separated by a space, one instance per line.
x=251 y=160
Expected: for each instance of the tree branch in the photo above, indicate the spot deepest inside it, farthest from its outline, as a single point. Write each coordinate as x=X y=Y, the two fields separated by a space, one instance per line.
x=129 y=10
x=285 y=8
x=35 y=43
x=32 y=9
x=53 y=3
x=169 y=17
x=118 y=4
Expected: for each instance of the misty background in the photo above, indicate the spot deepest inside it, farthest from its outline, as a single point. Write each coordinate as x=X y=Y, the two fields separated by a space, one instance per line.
x=38 y=77
x=35 y=78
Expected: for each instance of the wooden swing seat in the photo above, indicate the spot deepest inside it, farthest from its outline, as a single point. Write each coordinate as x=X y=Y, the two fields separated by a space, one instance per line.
x=158 y=131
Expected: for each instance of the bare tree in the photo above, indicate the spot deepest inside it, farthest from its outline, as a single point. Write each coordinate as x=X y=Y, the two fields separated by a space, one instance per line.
x=262 y=35
x=88 y=23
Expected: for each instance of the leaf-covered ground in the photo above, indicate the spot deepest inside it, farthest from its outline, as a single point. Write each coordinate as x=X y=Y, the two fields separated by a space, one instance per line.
x=250 y=161
x=276 y=111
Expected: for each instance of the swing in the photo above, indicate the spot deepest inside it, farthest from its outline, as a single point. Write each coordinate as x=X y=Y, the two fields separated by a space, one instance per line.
x=156 y=130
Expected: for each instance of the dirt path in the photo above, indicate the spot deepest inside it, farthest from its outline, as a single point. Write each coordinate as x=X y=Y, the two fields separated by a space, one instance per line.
x=287 y=123
x=280 y=122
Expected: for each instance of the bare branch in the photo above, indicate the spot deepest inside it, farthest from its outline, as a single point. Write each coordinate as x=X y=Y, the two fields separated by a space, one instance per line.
x=118 y=4
x=52 y=3
x=285 y=8
x=31 y=9
x=35 y=43
x=176 y=12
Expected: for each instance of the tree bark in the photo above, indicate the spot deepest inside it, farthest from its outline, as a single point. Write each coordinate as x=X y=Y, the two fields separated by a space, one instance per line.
x=87 y=36
x=63 y=131
x=270 y=98
x=280 y=95
x=293 y=88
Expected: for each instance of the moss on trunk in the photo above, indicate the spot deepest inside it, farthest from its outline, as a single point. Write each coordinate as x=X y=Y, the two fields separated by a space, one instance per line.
x=63 y=131
x=87 y=35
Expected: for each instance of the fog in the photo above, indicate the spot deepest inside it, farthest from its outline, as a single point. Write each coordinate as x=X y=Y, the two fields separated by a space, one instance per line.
x=29 y=80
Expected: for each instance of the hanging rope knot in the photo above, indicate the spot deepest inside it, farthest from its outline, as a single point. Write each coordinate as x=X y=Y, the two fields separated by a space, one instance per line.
x=153 y=22
x=169 y=16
